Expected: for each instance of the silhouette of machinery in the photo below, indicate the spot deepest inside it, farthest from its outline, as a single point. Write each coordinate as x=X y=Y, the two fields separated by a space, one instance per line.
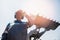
x=42 y=22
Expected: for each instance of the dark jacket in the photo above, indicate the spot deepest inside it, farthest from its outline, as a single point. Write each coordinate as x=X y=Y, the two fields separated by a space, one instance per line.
x=18 y=31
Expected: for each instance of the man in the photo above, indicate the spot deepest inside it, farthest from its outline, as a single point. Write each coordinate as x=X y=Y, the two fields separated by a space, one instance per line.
x=17 y=31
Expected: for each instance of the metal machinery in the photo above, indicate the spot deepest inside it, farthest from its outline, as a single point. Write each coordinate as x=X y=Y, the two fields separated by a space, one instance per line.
x=42 y=22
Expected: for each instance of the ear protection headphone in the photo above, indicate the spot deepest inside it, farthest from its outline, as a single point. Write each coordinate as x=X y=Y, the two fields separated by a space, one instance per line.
x=15 y=16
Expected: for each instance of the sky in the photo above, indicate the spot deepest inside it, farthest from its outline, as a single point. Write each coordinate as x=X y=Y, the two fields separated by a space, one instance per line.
x=46 y=8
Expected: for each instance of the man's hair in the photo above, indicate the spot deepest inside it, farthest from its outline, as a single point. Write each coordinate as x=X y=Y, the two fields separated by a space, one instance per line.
x=18 y=12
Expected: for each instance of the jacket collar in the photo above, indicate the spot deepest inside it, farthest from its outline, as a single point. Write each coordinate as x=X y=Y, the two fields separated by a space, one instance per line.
x=18 y=21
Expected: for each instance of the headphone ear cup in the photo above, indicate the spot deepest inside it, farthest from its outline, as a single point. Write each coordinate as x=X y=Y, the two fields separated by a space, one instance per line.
x=15 y=16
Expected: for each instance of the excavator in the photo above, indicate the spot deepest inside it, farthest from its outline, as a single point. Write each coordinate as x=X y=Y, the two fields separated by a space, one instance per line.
x=41 y=22
x=45 y=23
